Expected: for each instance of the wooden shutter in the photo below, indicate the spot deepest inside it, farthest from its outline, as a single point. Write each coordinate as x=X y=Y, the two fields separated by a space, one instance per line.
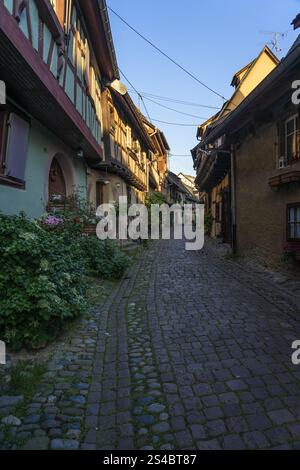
x=60 y=11
x=17 y=146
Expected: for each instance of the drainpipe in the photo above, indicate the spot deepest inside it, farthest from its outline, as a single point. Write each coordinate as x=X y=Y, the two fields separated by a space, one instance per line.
x=233 y=198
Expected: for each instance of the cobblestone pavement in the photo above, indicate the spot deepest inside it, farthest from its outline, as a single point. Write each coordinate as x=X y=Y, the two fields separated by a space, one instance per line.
x=190 y=352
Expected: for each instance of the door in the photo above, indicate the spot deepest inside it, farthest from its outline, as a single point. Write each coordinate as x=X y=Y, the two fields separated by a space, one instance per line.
x=57 y=183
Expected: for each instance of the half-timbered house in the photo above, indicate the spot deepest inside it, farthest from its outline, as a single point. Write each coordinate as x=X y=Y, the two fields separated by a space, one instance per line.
x=56 y=57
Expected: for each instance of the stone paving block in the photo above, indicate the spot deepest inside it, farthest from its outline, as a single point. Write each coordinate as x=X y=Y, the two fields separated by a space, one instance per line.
x=233 y=442
x=190 y=333
x=258 y=422
x=281 y=416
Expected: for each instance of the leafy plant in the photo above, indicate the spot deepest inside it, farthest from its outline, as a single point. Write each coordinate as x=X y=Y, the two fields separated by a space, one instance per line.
x=103 y=258
x=208 y=222
x=42 y=283
x=155 y=198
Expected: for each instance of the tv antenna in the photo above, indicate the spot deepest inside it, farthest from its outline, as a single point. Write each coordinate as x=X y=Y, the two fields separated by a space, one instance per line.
x=276 y=38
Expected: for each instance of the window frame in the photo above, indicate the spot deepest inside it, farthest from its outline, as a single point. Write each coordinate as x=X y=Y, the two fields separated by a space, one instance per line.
x=4 y=179
x=129 y=137
x=295 y=205
x=294 y=118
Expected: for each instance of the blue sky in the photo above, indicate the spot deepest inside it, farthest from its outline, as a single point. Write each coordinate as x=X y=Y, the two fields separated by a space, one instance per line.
x=212 y=39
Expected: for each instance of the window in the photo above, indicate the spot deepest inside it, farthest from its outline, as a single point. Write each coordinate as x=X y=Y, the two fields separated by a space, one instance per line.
x=128 y=137
x=14 y=133
x=81 y=83
x=293 y=221
x=292 y=139
x=99 y=193
x=137 y=150
x=143 y=159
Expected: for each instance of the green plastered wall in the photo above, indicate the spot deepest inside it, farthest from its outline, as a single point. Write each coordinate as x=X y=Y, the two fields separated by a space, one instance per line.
x=42 y=147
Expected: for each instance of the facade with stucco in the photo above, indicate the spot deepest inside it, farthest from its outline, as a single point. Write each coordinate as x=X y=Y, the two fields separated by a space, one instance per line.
x=55 y=59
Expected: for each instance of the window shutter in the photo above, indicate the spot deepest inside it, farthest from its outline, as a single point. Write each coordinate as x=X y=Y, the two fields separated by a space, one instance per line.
x=17 y=146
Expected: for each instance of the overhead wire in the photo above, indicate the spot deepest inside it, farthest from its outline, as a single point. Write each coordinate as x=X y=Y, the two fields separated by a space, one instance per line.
x=166 y=55
x=175 y=123
x=173 y=100
x=174 y=110
x=140 y=96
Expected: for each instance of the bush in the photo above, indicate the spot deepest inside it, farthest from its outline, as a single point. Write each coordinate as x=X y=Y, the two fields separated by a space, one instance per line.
x=155 y=198
x=43 y=280
x=208 y=222
x=103 y=258
x=42 y=283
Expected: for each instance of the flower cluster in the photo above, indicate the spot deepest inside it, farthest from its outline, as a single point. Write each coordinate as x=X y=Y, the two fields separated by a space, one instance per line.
x=53 y=221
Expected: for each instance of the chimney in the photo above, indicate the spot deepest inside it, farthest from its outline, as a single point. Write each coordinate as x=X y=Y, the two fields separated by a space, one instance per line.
x=296 y=22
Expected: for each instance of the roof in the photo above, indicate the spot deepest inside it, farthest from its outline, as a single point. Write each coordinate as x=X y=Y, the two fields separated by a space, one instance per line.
x=98 y=24
x=296 y=22
x=235 y=80
x=176 y=181
x=290 y=62
x=220 y=116
x=188 y=177
x=296 y=44
x=109 y=37
x=161 y=136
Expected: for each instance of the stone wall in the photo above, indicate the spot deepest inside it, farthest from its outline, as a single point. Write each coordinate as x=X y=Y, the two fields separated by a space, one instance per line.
x=261 y=211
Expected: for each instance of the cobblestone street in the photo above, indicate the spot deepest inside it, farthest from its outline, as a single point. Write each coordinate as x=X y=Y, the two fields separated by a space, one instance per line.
x=191 y=351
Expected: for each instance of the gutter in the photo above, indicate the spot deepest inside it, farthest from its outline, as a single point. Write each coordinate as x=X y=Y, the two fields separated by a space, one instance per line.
x=109 y=36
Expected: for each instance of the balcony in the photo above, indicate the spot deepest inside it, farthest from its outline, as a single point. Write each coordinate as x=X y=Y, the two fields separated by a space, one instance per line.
x=124 y=163
x=212 y=168
x=286 y=174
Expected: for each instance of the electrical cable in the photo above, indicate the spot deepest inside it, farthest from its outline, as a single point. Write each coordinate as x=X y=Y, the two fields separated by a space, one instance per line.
x=166 y=55
x=176 y=101
x=140 y=96
x=175 y=110
x=175 y=123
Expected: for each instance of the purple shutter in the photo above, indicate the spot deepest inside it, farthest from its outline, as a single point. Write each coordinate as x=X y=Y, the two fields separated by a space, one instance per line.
x=17 y=146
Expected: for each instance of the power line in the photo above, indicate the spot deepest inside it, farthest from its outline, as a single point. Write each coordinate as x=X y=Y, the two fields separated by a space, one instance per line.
x=173 y=100
x=148 y=115
x=175 y=123
x=175 y=110
x=140 y=96
x=173 y=155
x=166 y=55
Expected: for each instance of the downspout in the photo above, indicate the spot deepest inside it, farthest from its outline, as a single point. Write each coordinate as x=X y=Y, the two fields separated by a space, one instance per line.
x=233 y=198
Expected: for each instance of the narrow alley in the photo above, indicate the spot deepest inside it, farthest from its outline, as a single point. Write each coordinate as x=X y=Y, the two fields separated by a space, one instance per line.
x=187 y=353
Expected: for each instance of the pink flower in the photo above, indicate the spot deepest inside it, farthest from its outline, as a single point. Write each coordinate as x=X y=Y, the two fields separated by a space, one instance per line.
x=53 y=221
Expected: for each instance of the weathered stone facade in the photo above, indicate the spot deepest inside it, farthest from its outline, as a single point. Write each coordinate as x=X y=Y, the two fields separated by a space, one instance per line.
x=262 y=211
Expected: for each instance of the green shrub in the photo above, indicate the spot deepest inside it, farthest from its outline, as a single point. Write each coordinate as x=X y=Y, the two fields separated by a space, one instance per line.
x=43 y=276
x=155 y=198
x=42 y=283
x=103 y=258
x=208 y=222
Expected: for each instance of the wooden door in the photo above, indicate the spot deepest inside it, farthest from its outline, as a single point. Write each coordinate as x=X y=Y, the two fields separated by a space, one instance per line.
x=57 y=183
